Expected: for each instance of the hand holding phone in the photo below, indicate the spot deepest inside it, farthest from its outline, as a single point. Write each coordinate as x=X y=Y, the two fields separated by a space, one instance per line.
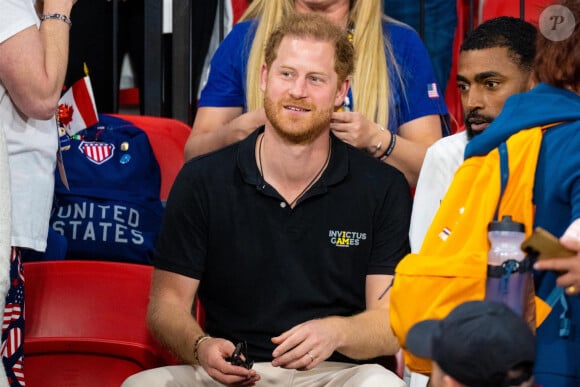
x=544 y=245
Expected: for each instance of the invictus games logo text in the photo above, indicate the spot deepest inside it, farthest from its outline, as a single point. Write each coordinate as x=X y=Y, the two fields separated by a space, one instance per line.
x=346 y=238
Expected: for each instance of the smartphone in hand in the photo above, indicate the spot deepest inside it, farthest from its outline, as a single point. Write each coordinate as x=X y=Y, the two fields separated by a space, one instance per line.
x=544 y=245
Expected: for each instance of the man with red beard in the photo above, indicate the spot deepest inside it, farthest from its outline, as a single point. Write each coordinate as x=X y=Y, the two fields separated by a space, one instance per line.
x=495 y=62
x=288 y=238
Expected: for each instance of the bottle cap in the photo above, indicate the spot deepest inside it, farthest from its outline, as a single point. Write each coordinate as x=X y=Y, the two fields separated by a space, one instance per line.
x=506 y=224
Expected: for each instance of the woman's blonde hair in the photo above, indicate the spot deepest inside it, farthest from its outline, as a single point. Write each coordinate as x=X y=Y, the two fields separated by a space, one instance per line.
x=370 y=81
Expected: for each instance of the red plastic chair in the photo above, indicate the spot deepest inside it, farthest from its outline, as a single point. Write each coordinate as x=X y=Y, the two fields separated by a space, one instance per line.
x=85 y=323
x=452 y=97
x=532 y=9
x=167 y=137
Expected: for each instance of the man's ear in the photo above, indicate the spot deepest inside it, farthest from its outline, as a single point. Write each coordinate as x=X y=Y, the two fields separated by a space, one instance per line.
x=263 y=77
x=531 y=82
x=341 y=92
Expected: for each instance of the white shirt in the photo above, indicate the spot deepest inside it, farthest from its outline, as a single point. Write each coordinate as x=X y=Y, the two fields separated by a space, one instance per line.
x=32 y=146
x=442 y=160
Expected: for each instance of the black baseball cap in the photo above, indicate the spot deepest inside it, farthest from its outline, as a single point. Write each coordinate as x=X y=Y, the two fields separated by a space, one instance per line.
x=476 y=344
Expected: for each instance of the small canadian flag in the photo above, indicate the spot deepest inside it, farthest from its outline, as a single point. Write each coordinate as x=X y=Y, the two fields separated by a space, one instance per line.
x=76 y=108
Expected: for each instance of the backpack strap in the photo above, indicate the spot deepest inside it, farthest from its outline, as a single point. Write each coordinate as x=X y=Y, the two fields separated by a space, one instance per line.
x=504 y=170
x=557 y=294
x=554 y=296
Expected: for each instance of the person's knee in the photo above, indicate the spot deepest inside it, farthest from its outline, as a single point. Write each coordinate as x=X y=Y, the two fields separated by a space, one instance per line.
x=132 y=381
x=170 y=376
x=152 y=377
x=375 y=375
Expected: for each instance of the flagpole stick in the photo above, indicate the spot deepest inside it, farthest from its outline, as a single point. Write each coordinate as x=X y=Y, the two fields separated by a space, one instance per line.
x=115 y=47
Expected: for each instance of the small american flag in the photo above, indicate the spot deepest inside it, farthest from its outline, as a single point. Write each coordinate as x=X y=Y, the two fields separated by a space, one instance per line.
x=432 y=90
x=11 y=312
x=19 y=372
x=13 y=343
x=13 y=324
x=444 y=234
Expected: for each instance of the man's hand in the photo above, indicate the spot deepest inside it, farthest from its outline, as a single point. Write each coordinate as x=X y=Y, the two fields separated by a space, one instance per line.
x=212 y=354
x=306 y=345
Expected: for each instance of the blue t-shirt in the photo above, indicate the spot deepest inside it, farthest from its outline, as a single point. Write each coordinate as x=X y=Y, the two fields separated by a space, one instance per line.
x=418 y=96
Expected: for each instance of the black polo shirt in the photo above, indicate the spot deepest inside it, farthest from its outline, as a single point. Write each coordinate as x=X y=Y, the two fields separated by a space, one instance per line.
x=265 y=267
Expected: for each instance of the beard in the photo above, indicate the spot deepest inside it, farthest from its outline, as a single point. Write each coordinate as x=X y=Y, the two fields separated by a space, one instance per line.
x=297 y=130
x=475 y=118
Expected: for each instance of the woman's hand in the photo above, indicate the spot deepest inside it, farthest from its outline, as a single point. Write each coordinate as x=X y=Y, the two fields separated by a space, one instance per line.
x=360 y=132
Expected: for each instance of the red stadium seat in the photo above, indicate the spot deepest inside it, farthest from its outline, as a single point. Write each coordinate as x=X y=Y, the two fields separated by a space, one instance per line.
x=532 y=9
x=85 y=323
x=167 y=137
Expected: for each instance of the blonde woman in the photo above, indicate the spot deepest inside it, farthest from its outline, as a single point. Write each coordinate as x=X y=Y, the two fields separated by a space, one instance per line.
x=393 y=86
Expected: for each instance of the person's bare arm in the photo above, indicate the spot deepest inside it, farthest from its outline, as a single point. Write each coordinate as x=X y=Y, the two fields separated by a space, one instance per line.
x=217 y=127
x=33 y=62
x=369 y=334
x=362 y=336
x=169 y=312
x=411 y=144
x=413 y=139
x=170 y=320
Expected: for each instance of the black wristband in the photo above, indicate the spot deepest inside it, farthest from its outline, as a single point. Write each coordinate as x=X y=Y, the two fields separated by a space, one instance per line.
x=390 y=148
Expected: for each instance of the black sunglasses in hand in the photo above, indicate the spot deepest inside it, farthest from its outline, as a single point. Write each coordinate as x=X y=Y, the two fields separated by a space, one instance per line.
x=240 y=357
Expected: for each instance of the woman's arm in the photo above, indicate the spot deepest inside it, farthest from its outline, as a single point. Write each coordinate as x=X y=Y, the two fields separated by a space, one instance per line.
x=33 y=62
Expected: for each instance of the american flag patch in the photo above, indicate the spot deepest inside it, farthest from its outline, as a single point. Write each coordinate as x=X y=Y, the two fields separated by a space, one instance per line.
x=444 y=234
x=432 y=90
x=97 y=152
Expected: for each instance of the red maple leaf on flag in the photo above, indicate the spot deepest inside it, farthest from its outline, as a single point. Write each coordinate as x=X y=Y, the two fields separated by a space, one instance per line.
x=65 y=113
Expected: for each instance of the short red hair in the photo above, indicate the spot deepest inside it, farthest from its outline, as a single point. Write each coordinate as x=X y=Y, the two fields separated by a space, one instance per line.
x=558 y=63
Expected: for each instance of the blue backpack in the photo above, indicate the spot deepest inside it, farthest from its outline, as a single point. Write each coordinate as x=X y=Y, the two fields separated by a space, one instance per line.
x=112 y=210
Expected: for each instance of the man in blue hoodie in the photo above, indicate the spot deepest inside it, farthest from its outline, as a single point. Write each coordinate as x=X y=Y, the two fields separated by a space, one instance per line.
x=555 y=99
